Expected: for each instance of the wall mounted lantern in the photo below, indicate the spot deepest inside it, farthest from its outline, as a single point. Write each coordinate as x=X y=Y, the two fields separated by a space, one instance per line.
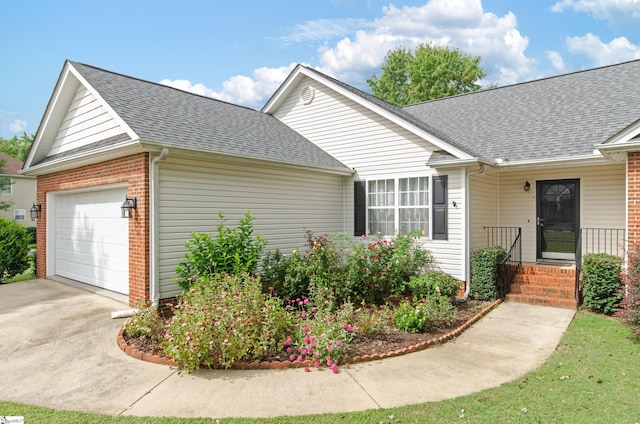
x=527 y=186
x=35 y=211
x=129 y=204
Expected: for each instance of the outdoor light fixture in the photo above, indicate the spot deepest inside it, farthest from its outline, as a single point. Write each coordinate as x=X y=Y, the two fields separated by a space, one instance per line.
x=129 y=204
x=35 y=211
x=527 y=186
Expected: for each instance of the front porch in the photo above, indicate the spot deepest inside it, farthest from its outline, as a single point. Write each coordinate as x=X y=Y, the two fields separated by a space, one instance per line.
x=549 y=282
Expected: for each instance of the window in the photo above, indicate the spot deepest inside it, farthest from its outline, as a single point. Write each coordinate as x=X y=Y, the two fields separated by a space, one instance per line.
x=398 y=205
x=5 y=186
x=19 y=214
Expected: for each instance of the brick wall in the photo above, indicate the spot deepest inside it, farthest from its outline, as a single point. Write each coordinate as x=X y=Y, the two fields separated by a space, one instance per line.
x=133 y=170
x=633 y=196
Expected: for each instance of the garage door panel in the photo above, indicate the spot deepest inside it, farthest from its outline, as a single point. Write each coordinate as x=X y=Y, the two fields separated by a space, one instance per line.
x=92 y=244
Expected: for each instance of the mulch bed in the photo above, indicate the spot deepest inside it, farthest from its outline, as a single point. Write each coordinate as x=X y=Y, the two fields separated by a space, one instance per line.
x=363 y=348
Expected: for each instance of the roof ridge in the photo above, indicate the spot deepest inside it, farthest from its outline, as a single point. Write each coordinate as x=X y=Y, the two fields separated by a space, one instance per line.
x=161 y=85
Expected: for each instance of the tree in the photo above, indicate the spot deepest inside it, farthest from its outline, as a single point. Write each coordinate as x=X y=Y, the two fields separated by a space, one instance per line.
x=17 y=147
x=431 y=72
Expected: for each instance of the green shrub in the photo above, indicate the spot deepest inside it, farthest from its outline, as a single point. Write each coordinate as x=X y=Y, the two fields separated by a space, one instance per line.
x=432 y=283
x=232 y=251
x=32 y=234
x=224 y=319
x=441 y=311
x=146 y=322
x=374 y=321
x=484 y=272
x=410 y=318
x=601 y=282
x=629 y=309
x=14 y=249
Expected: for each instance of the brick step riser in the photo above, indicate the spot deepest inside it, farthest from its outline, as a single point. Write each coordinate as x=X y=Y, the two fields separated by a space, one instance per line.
x=544 y=281
x=562 y=292
x=551 y=273
x=543 y=301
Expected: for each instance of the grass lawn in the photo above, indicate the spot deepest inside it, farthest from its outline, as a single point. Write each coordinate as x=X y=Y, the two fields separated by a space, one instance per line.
x=594 y=377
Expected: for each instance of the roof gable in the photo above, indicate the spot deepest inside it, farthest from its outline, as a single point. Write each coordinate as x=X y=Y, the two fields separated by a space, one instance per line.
x=383 y=109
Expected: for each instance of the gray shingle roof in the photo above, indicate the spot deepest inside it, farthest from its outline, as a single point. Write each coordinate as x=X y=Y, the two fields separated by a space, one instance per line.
x=555 y=117
x=174 y=117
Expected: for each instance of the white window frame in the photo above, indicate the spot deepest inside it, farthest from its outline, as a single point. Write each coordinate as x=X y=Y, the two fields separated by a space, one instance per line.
x=19 y=214
x=7 y=190
x=396 y=202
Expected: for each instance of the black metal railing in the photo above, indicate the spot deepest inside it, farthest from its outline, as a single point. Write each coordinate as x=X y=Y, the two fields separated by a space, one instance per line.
x=597 y=240
x=509 y=238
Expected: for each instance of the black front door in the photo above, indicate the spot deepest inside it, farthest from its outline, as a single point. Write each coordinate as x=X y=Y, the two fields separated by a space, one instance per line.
x=558 y=220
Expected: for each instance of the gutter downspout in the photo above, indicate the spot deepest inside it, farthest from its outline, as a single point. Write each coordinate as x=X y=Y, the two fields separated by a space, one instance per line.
x=154 y=171
x=467 y=219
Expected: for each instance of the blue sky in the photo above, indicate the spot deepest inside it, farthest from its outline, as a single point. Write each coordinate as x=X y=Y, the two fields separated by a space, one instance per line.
x=240 y=51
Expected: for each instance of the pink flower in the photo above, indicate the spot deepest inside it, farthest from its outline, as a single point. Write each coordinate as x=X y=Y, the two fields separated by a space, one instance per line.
x=329 y=349
x=329 y=362
x=292 y=357
x=316 y=364
x=329 y=319
x=271 y=288
x=334 y=369
x=288 y=341
x=306 y=369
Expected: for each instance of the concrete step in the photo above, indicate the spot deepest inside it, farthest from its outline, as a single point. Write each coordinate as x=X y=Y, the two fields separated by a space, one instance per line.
x=543 y=300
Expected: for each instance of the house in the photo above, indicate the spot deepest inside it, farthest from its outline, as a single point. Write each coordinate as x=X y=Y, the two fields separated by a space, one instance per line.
x=547 y=166
x=19 y=191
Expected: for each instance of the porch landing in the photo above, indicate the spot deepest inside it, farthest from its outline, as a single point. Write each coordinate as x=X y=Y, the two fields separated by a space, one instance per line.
x=549 y=283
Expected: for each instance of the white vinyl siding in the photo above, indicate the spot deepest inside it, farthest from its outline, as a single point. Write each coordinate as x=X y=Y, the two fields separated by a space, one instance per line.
x=86 y=121
x=355 y=135
x=483 y=192
x=602 y=199
x=284 y=204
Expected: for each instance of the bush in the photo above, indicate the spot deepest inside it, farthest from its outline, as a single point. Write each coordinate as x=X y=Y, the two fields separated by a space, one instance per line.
x=224 y=319
x=432 y=283
x=14 y=249
x=233 y=251
x=146 y=322
x=601 y=282
x=484 y=272
x=630 y=305
x=441 y=311
x=410 y=318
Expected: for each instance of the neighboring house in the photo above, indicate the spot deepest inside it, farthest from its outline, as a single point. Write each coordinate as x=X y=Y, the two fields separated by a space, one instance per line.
x=18 y=190
x=544 y=159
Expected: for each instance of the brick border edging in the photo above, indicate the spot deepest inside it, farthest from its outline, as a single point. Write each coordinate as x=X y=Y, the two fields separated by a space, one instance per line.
x=161 y=360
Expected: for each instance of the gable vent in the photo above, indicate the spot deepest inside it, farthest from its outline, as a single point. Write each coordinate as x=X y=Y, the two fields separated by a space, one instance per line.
x=307 y=94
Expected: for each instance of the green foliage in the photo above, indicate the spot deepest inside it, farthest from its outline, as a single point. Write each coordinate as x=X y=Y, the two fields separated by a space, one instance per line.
x=232 y=251
x=16 y=147
x=410 y=318
x=14 y=249
x=484 y=272
x=629 y=309
x=441 y=311
x=224 y=319
x=430 y=72
x=146 y=322
x=601 y=282
x=374 y=321
x=433 y=282
x=355 y=270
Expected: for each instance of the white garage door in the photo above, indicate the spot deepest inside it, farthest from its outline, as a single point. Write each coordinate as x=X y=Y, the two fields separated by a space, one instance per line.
x=92 y=241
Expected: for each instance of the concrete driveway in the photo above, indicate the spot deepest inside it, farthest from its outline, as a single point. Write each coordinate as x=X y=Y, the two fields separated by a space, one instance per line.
x=59 y=350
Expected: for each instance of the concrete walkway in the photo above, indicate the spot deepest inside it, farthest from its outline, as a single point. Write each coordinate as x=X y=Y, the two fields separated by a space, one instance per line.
x=59 y=350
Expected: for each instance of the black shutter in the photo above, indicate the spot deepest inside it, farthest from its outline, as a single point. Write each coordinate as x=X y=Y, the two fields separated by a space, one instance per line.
x=439 y=208
x=360 y=208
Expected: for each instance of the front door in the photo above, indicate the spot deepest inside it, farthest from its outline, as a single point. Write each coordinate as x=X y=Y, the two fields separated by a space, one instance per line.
x=558 y=219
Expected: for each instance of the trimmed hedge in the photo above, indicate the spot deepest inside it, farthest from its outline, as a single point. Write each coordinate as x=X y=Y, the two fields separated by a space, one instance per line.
x=14 y=249
x=484 y=272
x=601 y=285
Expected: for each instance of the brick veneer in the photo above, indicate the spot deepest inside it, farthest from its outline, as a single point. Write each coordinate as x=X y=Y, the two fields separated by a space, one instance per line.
x=133 y=170
x=633 y=196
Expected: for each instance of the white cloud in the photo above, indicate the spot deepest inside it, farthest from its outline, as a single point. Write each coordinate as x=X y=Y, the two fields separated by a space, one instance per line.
x=612 y=11
x=461 y=24
x=590 y=45
x=18 y=126
x=556 y=60
x=240 y=89
x=362 y=45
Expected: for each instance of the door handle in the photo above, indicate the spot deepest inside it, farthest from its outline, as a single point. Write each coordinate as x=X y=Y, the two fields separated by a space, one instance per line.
x=540 y=222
